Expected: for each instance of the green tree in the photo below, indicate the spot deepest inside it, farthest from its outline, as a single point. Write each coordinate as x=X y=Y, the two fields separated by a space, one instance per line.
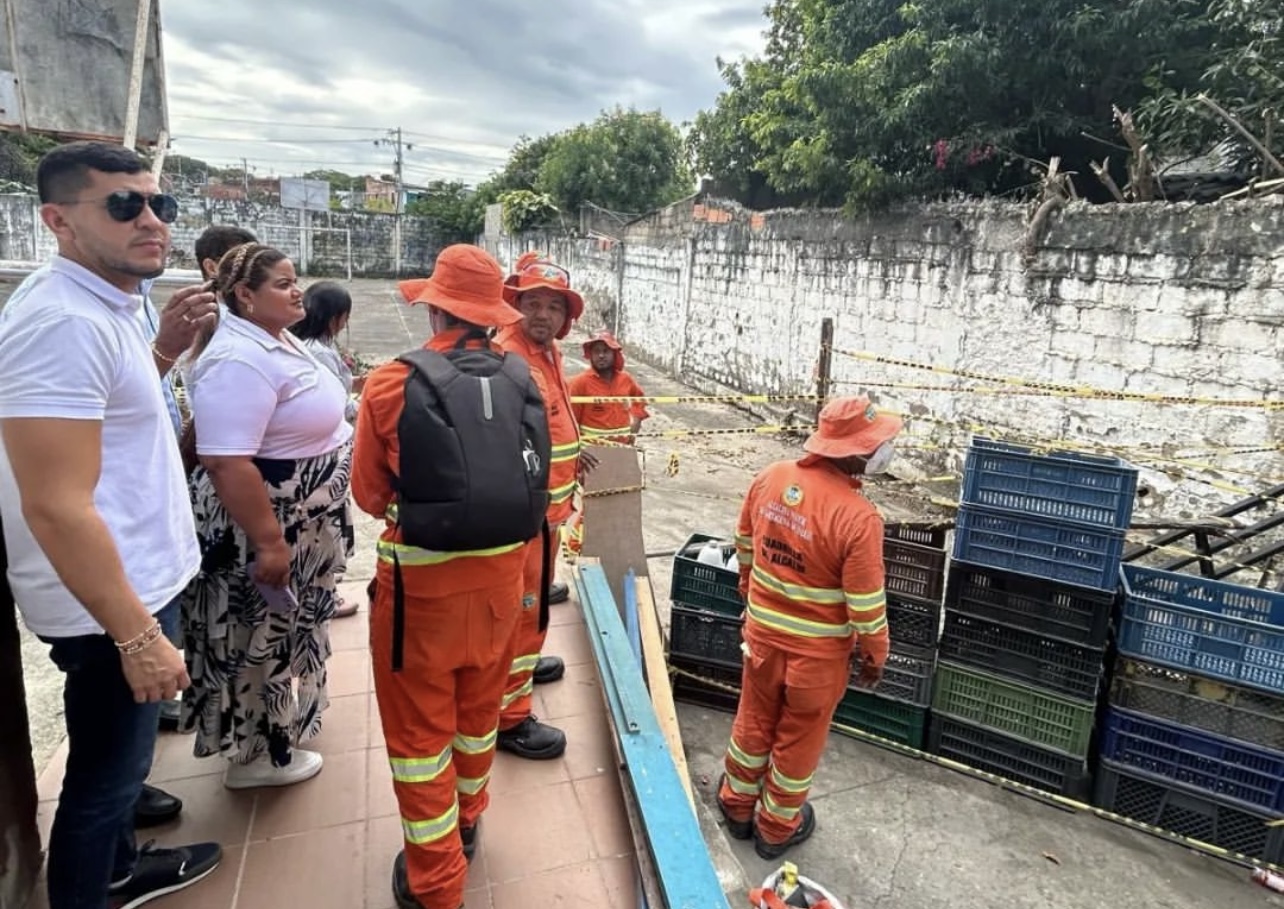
x=458 y=211
x=625 y=160
x=864 y=101
x=338 y=180
x=1243 y=72
x=525 y=210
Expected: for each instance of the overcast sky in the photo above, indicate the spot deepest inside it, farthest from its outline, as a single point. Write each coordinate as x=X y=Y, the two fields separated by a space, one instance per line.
x=323 y=79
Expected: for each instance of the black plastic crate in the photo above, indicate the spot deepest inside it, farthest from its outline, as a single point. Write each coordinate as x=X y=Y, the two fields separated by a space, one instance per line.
x=703 y=586
x=704 y=685
x=1011 y=758
x=1015 y=653
x=913 y=570
x=895 y=721
x=1073 y=614
x=1218 y=707
x=907 y=676
x=1189 y=813
x=701 y=634
x=931 y=535
x=913 y=623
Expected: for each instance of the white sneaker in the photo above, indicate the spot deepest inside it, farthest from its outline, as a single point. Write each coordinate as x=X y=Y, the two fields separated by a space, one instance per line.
x=304 y=765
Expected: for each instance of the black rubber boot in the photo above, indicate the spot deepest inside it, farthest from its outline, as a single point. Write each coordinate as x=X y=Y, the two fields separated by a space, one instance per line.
x=533 y=740
x=401 y=884
x=737 y=830
x=469 y=837
x=559 y=592
x=775 y=850
x=548 y=669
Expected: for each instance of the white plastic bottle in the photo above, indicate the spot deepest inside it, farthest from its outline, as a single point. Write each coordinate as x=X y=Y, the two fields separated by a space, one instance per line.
x=710 y=554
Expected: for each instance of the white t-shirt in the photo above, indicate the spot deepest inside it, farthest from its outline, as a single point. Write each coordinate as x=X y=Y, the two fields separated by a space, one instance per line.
x=254 y=395
x=73 y=347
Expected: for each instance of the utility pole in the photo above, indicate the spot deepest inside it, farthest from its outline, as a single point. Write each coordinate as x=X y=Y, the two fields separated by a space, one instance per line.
x=394 y=139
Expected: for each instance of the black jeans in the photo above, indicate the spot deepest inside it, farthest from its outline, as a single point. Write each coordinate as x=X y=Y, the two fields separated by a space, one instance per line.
x=110 y=743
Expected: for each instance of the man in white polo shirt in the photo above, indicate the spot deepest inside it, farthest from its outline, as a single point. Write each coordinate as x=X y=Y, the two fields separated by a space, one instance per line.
x=96 y=516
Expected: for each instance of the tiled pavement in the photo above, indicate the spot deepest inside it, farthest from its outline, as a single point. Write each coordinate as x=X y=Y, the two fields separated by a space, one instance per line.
x=556 y=832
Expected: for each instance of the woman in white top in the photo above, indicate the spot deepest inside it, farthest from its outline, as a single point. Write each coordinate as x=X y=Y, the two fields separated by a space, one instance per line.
x=275 y=454
x=327 y=307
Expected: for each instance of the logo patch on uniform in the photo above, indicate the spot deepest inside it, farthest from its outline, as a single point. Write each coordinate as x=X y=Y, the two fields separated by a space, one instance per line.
x=792 y=496
x=870 y=413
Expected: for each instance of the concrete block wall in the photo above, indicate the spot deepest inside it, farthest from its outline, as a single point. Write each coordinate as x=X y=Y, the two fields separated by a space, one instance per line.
x=1171 y=300
x=332 y=238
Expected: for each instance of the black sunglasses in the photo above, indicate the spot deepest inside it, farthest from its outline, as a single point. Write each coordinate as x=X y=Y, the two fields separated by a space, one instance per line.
x=127 y=204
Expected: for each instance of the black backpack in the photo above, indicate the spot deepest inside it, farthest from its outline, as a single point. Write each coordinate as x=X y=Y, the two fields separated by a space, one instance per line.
x=474 y=458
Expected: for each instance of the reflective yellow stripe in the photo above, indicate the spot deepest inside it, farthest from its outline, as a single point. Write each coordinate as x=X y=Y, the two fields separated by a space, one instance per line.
x=770 y=806
x=567 y=452
x=431 y=830
x=793 y=625
x=419 y=770
x=744 y=558
x=865 y=600
x=469 y=786
x=562 y=493
x=525 y=663
x=788 y=783
x=527 y=687
x=874 y=626
x=413 y=555
x=744 y=759
x=591 y=433
x=475 y=744
x=740 y=787
x=822 y=596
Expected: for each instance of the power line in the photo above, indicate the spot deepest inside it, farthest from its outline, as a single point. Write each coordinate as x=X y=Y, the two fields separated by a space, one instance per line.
x=363 y=129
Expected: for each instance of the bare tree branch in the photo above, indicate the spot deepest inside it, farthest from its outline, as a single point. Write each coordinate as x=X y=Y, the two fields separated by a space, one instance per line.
x=1239 y=128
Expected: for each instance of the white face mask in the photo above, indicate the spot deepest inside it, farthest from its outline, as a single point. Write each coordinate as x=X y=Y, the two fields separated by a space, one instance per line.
x=881 y=459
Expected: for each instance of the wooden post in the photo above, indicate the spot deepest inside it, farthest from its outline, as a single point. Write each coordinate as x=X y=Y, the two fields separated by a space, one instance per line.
x=135 y=97
x=19 y=837
x=825 y=363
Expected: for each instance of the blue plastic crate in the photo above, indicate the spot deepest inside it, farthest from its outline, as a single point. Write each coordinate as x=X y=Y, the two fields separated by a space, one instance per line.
x=1211 y=628
x=1068 y=486
x=1230 y=770
x=1039 y=547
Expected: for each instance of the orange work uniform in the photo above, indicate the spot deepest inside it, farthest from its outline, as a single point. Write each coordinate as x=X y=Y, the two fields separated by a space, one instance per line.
x=811 y=567
x=440 y=712
x=609 y=421
x=546 y=369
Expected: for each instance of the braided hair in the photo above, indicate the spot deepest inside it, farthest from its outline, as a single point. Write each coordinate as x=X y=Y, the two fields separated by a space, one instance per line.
x=248 y=264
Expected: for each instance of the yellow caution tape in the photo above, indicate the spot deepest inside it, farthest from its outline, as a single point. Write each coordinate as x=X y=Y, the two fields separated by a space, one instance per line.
x=1060 y=801
x=697 y=399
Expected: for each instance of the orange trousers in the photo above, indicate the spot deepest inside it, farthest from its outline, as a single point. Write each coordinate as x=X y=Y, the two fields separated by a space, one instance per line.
x=515 y=705
x=787 y=702
x=440 y=716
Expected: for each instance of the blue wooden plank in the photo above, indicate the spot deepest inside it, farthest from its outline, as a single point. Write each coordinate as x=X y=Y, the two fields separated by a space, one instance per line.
x=631 y=626
x=686 y=874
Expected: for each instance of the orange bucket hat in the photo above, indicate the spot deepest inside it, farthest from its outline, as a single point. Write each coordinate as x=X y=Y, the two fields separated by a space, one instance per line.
x=534 y=270
x=466 y=282
x=851 y=427
x=605 y=337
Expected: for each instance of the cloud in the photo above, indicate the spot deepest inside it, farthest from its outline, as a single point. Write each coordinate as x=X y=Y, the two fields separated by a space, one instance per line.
x=324 y=80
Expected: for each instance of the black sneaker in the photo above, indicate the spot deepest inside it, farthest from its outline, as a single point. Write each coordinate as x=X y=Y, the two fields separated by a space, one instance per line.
x=548 y=669
x=155 y=807
x=533 y=740
x=161 y=871
x=739 y=830
x=803 y=832
x=559 y=592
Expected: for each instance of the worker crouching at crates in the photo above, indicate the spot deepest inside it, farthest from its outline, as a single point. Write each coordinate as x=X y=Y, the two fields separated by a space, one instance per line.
x=811 y=571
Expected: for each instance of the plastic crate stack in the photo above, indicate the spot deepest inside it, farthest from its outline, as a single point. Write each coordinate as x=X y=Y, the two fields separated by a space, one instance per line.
x=1193 y=739
x=914 y=565
x=1028 y=612
x=707 y=615
x=704 y=626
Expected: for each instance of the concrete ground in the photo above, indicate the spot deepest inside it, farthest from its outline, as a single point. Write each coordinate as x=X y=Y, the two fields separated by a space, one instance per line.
x=893 y=831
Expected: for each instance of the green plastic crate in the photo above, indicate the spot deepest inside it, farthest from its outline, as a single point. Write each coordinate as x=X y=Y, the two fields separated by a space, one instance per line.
x=894 y=720
x=1038 y=716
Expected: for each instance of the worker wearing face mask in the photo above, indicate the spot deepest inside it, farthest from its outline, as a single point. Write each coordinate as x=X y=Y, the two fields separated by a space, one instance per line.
x=811 y=570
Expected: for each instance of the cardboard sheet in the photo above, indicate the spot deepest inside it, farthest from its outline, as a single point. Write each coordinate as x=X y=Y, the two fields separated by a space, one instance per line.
x=613 y=521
